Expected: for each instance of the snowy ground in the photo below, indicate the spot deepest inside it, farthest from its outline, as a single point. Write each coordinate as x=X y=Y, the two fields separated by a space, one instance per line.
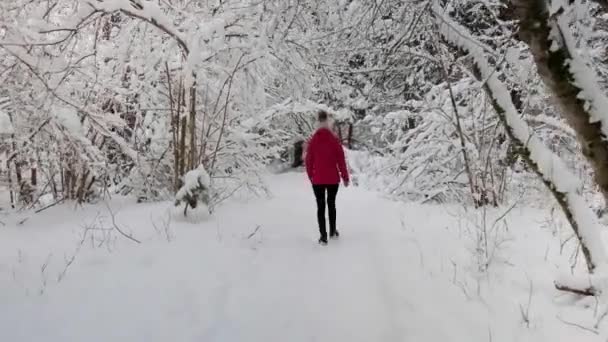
x=253 y=272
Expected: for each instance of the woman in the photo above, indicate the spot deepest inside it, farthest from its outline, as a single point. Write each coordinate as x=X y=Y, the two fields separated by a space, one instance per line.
x=325 y=165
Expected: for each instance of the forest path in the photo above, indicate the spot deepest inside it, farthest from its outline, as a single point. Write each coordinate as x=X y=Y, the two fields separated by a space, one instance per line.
x=296 y=290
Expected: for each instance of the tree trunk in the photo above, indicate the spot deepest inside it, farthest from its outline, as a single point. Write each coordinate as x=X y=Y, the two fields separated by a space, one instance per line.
x=350 y=135
x=11 y=191
x=552 y=64
x=465 y=156
x=298 y=149
x=34 y=178
x=192 y=160
x=182 y=148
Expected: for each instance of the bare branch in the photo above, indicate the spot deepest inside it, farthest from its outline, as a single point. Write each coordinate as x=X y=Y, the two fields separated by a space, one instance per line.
x=579 y=326
x=117 y=227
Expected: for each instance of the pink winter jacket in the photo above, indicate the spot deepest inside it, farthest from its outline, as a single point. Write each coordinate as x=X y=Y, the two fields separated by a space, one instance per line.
x=325 y=160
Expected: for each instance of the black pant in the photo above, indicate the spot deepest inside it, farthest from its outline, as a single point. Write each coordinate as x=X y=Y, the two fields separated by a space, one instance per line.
x=332 y=191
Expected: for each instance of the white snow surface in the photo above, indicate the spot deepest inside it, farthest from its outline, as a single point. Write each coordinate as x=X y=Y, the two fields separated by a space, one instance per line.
x=254 y=272
x=69 y=119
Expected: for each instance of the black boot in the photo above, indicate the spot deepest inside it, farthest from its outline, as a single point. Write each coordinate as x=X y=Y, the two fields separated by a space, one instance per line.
x=323 y=240
x=334 y=234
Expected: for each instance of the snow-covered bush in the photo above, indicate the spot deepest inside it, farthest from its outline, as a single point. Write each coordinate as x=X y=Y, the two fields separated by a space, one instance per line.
x=192 y=200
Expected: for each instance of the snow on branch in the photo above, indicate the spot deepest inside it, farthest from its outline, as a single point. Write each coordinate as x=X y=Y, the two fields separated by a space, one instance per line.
x=100 y=123
x=81 y=19
x=560 y=180
x=585 y=78
x=551 y=121
x=148 y=11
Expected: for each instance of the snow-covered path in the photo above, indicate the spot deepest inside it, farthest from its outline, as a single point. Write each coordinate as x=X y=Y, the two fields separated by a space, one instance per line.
x=292 y=287
x=395 y=275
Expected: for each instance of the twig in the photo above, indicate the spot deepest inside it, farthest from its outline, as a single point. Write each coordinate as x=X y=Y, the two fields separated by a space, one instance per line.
x=113 y=216
x=67 y=265
x=254 y=232
x=166 y=227
x=600 y=319
x=503 y=215
x=219 y=139
x=526 y=313
x=578 y=326
x=46 y=263
x=42 y=272
x=217 y=200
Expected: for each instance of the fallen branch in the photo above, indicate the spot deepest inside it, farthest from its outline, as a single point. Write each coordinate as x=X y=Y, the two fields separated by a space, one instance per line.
x=50 y=205
x=588 y=291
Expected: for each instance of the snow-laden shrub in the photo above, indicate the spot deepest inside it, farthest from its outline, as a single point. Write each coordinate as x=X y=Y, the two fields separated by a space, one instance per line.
x=372 y=171
x=417 y=151
x=192 y=200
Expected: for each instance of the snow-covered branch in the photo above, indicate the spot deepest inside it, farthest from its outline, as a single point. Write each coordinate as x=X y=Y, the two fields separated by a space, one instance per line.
x=148 y=11
x=573 y=84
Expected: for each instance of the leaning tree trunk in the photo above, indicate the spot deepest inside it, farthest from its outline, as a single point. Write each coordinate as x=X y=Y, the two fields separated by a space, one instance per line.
x=552 y=61
x=548 y=166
